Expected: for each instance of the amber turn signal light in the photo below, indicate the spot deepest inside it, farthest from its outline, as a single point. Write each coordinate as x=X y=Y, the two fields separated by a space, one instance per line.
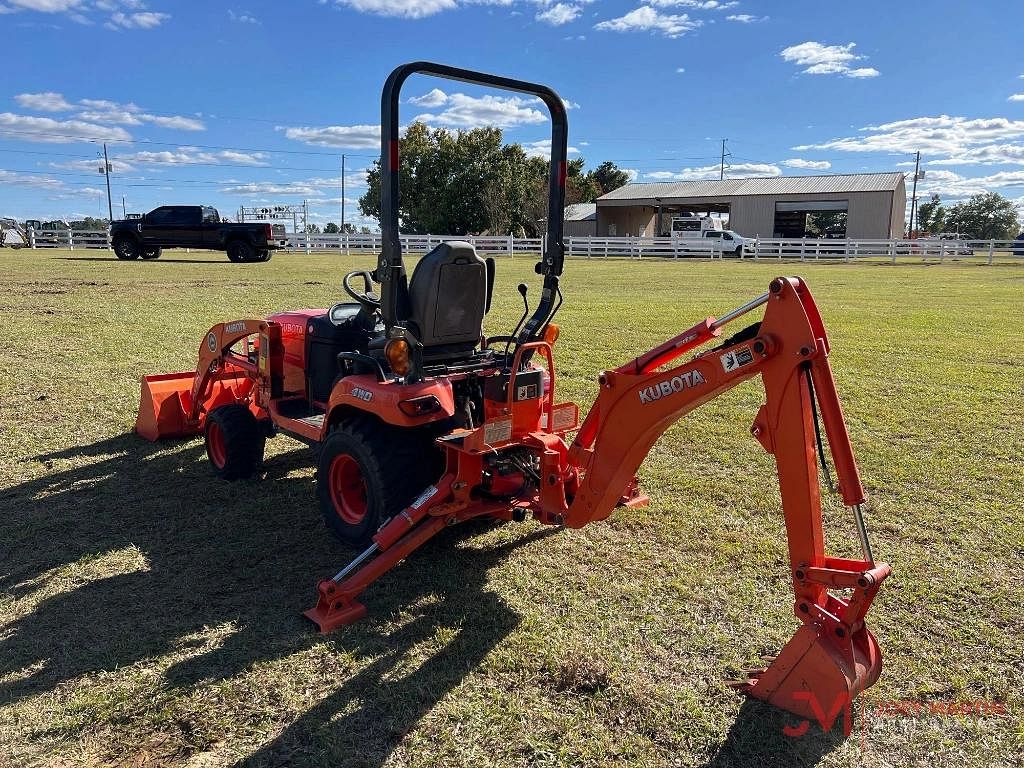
x=397 y=353
x=551 y=333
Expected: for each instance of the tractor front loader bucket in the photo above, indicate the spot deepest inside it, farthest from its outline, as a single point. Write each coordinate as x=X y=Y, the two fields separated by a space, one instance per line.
x=164 y=406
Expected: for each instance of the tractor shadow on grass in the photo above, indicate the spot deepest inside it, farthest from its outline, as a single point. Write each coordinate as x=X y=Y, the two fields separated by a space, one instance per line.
x=756 y=738
x=172 y=561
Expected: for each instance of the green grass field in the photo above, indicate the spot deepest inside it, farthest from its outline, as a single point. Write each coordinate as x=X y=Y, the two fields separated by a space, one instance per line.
x=150 y=614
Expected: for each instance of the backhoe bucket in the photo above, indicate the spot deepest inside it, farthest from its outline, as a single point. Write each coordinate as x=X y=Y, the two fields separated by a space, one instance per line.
x=164 y=405
x=817 y=674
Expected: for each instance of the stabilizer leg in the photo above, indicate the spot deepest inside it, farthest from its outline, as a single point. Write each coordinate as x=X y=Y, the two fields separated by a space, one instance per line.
x=337 y=605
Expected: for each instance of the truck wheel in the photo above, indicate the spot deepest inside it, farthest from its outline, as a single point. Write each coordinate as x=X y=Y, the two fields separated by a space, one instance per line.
x=152 y=253
x=738 y=253
x=235 y=441
x=369 y=471
x=240 y=251
x=264 y=255
x=126 y=249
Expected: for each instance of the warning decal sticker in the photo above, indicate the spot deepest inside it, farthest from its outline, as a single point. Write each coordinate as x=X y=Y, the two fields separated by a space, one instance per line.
x=737 y=359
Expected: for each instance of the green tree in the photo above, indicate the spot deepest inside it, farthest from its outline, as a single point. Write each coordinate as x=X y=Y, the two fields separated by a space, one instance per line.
x=330 y=228
x=347 y=228
x=931 y=216
x=312 y=229
x=609 y=176
x=987 y=216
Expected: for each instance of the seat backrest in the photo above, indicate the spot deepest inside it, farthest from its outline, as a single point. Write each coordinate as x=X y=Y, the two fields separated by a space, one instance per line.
x=448 y=295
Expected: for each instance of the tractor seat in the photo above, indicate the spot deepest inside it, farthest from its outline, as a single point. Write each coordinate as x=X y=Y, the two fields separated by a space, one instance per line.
x=449 y=294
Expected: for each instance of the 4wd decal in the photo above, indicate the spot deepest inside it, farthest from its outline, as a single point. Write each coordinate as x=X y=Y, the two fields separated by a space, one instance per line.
x=362 y=394
x=736 y=359
x=687 y=380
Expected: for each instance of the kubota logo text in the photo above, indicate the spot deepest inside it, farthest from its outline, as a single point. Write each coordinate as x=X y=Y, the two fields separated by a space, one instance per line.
x=687 y=380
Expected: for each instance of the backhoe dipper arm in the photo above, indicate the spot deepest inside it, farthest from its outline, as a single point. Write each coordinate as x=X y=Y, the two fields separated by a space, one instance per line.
x=833 y=654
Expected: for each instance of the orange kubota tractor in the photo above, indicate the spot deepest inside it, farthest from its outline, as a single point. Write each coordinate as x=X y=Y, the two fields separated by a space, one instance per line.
x=422 y=422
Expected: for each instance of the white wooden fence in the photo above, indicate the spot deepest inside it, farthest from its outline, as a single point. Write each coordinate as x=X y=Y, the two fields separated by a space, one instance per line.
x=757 y=249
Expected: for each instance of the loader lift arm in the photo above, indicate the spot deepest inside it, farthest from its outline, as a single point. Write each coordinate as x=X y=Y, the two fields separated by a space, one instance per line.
x=832 y=656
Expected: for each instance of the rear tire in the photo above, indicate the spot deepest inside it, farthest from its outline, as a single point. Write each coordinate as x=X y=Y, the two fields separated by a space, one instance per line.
x=152 y=253
x=265 y=255
x=369 y=471
x=235 y=442
x=240 y=251
x=126 y=249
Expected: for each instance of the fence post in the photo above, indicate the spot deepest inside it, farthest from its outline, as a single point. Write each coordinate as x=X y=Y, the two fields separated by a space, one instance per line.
x=942 y=251
x=991 y=250
x=893 y=245
x=71 y=240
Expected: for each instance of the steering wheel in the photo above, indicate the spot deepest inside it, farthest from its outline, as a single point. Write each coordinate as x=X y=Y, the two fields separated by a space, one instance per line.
x=367 y=298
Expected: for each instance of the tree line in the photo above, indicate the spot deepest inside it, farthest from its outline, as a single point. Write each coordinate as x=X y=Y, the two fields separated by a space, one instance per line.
x=986 y=216
x=471 y=182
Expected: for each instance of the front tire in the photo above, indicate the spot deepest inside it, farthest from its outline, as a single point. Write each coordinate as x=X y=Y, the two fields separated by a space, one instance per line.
x=152 y=253
x=240 y=251
x=126 y=249
x=369 y=471
x=235 y=442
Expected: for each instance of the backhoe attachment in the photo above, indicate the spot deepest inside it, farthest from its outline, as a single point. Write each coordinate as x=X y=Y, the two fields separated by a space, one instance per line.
x=833 y=656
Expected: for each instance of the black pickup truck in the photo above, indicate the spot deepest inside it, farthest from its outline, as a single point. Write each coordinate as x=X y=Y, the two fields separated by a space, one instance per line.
x=193 y=226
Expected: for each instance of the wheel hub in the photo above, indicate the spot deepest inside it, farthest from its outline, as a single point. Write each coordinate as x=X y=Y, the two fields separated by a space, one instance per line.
x=348 y=489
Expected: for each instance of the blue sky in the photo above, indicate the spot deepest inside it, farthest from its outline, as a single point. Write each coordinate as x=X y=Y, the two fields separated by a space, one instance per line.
x=249 y=103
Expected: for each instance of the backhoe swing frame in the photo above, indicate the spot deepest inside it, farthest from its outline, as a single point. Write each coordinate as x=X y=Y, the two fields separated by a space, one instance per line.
x=832 y=655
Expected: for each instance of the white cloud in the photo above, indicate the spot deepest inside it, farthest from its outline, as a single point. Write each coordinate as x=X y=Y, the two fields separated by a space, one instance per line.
x=646 y=19
x=950 y=184
x=991 y=154
x=242 y=17
x=700 y=5
x=29 y=180
x=138 y=20
x=1016 y=97
x=408 y=9
x=462 y=111
x=745 y=18
x=350 y=136
x=680 y=70
x=433 y=98
x=559 y=14
x=542 y=148
x=44 y=6
x=307 y=188
x=736 y=171
x=43 y=102
x=92 y=166
x=941 y=135
x=821 y=59
x=48 y=130
x=811 y=165
x=103 y=111
x=193 y=156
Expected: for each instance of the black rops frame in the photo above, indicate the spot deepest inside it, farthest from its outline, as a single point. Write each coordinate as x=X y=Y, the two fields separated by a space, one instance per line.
x=390 y=271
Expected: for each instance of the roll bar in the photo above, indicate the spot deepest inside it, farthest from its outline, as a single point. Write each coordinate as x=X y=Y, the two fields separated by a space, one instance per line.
x=390 y=272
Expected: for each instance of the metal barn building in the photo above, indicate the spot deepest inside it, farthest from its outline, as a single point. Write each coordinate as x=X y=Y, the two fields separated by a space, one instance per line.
x=865 y=205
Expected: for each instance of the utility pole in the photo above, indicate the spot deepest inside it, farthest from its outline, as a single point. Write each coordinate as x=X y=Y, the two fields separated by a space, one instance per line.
x=913 y=195
x=124 y=207
x=106 y=173
x=721 y=168
x=343 y=194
